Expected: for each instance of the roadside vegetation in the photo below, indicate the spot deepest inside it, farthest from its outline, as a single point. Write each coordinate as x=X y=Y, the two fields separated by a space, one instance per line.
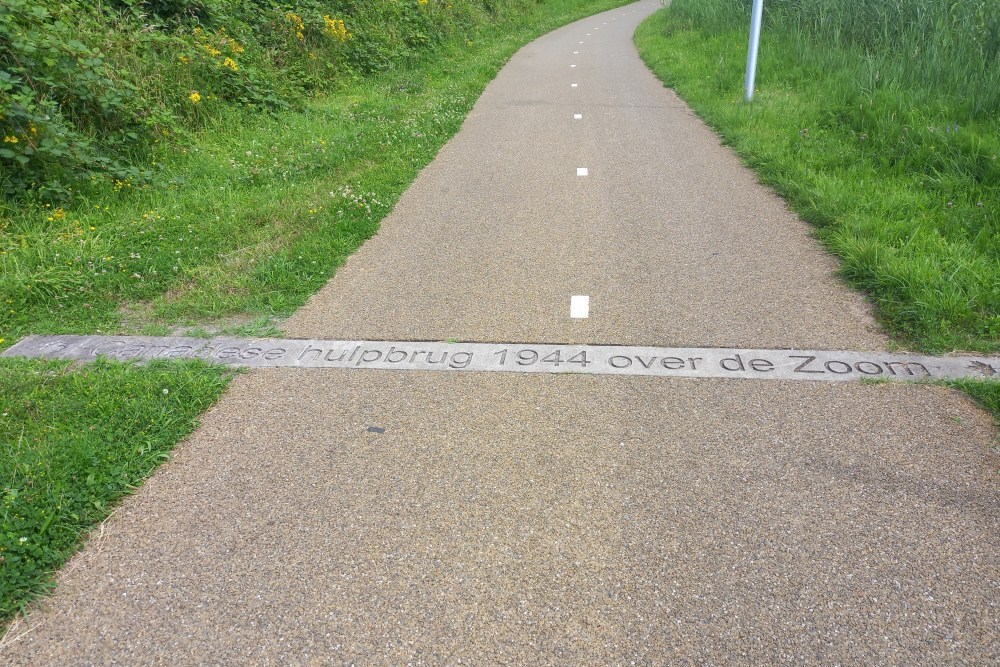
x=201 y=165
x=76 y=440
x=879 y=123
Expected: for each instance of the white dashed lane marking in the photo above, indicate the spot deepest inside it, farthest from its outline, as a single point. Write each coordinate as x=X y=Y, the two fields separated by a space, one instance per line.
x=579 y=307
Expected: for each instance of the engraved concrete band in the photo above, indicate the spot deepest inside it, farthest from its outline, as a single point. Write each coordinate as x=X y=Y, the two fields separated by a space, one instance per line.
x=688 y=362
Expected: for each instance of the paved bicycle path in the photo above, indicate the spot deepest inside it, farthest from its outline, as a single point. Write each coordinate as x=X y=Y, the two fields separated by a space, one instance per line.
x=552 y=519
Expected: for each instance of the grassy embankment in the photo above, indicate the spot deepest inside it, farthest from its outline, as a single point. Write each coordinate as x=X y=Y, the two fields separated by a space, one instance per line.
x=219 y=196
x=880 y=124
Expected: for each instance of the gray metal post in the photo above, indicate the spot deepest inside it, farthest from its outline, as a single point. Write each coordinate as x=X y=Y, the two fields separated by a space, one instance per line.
x=758 y=10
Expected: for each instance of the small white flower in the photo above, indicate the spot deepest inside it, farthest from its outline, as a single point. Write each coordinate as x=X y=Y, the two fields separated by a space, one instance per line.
x=166 y=391
x=23 y=540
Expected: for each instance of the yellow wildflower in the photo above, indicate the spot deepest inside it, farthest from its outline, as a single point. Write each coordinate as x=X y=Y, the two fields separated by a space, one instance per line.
x=195 y=97
x=230 y=63
x=10 y=139
x=421 y=2
x=184 y=59
x=298 y=27
x=336 y=28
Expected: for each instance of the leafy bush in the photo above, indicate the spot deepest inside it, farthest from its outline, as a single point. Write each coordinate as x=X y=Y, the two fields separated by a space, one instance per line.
x=86 y=89
x=63 y=114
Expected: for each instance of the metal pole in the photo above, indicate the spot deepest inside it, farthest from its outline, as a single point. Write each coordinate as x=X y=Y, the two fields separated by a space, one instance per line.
x=758 y=9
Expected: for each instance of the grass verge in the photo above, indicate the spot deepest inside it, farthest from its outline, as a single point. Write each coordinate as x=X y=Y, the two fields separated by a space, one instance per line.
x=246 y=221
x=898 y=172
x=76 y=439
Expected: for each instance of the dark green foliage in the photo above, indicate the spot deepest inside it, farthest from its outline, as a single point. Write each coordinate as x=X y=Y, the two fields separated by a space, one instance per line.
x=169 y=10
x=86 y=89
x=63 y=114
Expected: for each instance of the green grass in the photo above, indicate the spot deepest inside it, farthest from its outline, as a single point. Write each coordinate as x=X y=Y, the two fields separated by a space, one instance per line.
x=897 y=168
x=910 y=203
x=256 y=212
x=247 y=219
x=76 y=440
x=985 y=391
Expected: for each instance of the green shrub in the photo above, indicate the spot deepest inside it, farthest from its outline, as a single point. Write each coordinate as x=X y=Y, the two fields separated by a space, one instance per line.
x=86 y=90
x=63 y=114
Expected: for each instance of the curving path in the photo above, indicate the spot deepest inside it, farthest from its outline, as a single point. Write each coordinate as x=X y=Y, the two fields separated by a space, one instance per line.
x=548 y=519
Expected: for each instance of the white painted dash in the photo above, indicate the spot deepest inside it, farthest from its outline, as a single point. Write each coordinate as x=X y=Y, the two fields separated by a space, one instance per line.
x=572 y=85
x=572 y=65
x=577 y=116
x=579 y=306
x=581 y=171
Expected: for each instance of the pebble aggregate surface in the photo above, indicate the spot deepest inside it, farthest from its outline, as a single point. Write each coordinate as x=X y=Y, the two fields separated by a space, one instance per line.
x=329 y=516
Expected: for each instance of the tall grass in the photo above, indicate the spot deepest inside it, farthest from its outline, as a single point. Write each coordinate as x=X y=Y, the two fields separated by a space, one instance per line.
x=949 y=49
x=879 y=121
x=943 y=49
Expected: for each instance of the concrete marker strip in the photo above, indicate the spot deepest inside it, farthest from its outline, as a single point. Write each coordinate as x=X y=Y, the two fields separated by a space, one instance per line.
x=699 y=362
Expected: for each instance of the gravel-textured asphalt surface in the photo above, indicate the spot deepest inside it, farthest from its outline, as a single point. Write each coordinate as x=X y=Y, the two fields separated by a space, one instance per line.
x=545 y=519
x=673 y=240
